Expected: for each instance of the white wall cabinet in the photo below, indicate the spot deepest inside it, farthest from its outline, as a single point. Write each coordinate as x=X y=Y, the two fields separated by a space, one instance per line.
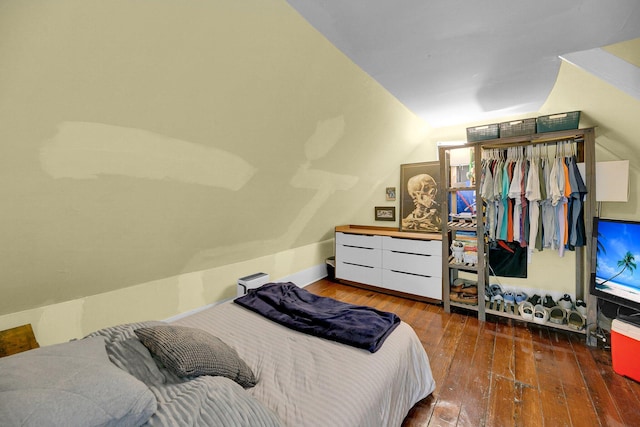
x=409 y=263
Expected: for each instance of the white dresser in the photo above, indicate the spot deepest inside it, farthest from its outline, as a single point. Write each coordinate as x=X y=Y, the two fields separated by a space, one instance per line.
x=410 y=263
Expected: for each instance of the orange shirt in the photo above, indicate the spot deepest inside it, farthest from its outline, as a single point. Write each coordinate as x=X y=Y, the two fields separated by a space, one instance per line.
x=567 y=194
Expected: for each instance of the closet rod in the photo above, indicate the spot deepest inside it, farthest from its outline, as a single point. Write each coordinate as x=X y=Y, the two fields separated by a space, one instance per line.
x=502 y=144
x=539 y=138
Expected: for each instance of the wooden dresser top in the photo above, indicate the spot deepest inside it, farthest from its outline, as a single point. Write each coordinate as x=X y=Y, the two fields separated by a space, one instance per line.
x=386 y=231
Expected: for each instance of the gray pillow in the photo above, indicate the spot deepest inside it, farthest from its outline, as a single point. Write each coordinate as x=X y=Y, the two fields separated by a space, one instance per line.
x=191 y=352
x=71 y=384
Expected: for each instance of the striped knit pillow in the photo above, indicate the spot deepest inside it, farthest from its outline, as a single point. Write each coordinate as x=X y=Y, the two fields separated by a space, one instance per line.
x=191 y=352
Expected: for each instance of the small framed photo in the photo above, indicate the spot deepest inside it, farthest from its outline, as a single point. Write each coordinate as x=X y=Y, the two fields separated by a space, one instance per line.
x=385 y=213
x=391 y=194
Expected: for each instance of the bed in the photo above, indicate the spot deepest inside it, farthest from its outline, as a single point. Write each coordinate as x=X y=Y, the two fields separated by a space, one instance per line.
x=272 y=376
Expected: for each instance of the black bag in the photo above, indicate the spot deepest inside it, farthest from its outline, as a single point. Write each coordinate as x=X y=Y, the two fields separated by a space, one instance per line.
x=507 y=259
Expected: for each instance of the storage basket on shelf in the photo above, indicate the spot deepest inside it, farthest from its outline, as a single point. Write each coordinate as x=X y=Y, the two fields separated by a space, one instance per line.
x=484 y=132
x=556 y=122
x=518 y=127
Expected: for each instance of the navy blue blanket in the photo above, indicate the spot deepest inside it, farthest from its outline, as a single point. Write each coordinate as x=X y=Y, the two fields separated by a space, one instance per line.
x=291 y=306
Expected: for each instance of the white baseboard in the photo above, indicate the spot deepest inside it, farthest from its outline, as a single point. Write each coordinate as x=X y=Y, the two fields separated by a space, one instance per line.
x=301 y=278
x=306 y=277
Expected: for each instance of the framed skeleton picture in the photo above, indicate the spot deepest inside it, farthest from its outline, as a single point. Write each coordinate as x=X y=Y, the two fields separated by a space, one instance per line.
x=420 y=197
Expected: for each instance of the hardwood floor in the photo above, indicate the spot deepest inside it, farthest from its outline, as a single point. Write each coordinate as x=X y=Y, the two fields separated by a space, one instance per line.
x=505 y=373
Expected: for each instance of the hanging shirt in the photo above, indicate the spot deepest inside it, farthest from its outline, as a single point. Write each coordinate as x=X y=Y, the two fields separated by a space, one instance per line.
x=510 y=204
x=554 y=183
x=567 y=196
x=577 y=234
x=496 y=170
x=533 y=195
x=543 y=195
x=514 y=193
x=504 y=197
x=486 y=192
x=560 y=206
x=524 y=216
x=547 y=208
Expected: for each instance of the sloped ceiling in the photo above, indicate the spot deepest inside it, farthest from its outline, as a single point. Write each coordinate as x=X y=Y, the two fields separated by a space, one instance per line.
x=455 y=62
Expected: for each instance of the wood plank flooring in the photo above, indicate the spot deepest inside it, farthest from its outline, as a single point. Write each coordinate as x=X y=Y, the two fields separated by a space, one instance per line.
x=505 y=373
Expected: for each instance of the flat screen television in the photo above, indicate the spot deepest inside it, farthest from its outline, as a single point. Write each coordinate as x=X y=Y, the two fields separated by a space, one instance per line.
x=617 y=278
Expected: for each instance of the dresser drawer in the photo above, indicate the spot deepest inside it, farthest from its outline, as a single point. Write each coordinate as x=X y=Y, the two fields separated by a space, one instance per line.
x=358 y=273
x=426 y=265
x=425 y=247
x=359 y=240
x=361 y=256
x=429 y=287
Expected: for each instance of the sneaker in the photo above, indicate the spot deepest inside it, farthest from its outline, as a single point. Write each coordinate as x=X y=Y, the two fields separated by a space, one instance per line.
x=509 y=297
x=557 y=315
x=565 y=302
x=488 y=293
x=548 y=301
x=457 y=285
x=521 y=297
x=496 y=289
x=581 y=306
x=535 y=299
x=471 y=289
x=464 y=298
x=576 y=320
x=526 y=310
x=540 y=314
x=466 y=286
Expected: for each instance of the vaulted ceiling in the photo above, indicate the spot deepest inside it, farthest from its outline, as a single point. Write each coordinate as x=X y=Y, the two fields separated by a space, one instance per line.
x=453 y=61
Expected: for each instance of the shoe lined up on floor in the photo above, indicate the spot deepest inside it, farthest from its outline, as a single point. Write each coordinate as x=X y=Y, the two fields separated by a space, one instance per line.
x=487 y=292
x=557 y=315
x=576 y=320
x=495 y=293
x=540 y=314
x=509 y=297
x=548 y=301
x=562 y=312
x=464 y=291
x=464 y=285
x=535 y=299
x=526 y=310
x=521 y=297
x=464 y=298
x=566 y=302
x=535 y=308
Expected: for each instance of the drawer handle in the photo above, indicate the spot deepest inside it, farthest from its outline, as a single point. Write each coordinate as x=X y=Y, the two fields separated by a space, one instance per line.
x=358 y=247
x=358 y=265
x=411 y=274
x=410 y=253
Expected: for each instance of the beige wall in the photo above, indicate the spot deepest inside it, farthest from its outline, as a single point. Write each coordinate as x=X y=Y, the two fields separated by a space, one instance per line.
x=152 y=152
x=163 y=298
x=147 y=140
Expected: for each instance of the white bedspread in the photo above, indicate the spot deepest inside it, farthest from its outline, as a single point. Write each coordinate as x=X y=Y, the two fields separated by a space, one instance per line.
x=309 y=381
